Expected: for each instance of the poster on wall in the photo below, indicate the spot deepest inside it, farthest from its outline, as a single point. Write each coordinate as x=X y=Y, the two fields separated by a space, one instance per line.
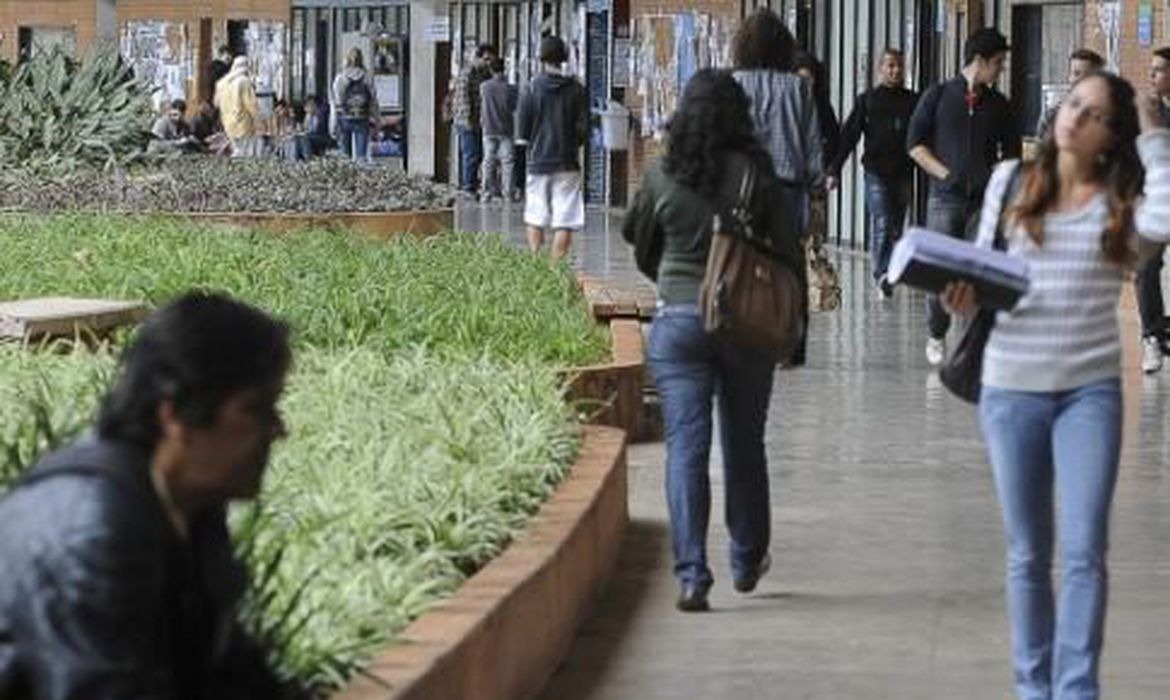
x=668 y=49
x=265 y=41
x=159 y=53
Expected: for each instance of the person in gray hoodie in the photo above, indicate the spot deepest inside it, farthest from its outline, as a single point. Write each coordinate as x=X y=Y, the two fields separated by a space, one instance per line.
x=783 y=107
x=553 y=120
x=355 y=105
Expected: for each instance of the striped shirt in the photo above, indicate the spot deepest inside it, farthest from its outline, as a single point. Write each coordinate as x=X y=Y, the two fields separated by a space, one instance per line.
x=1064 y=332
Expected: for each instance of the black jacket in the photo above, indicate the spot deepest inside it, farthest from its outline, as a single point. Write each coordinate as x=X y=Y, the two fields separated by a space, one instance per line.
x=101 y=600
x=883 y=115
x=968 y=138
x=497 y=112
x=553 y=119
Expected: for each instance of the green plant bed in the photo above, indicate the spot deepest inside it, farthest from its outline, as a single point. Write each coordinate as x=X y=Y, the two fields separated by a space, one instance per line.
x=426 y=420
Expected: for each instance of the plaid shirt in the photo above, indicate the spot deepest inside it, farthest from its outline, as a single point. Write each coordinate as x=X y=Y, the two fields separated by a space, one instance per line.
x=466 y=102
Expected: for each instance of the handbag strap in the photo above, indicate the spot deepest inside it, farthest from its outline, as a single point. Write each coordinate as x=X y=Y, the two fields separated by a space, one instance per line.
x=999 y=242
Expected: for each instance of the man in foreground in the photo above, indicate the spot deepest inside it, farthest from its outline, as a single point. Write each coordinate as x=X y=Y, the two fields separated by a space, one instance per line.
x=119 y=578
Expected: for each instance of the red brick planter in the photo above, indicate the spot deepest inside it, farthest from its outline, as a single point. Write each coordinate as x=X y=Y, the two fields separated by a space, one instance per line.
x=504 y=632
x=611 y=393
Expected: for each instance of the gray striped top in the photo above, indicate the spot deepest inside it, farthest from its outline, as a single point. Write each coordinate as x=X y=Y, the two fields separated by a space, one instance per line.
x=1064 y=332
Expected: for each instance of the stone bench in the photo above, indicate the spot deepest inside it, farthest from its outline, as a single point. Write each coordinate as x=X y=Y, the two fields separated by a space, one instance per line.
x=65 y=317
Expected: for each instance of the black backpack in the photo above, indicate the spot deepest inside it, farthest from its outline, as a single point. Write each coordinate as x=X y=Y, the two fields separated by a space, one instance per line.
x=357 y=99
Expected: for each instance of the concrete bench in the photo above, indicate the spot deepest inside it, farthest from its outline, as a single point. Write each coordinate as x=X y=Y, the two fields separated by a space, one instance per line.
x=65 y=317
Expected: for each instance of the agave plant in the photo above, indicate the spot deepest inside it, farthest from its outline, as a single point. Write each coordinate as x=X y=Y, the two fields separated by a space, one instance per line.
x=58 y=114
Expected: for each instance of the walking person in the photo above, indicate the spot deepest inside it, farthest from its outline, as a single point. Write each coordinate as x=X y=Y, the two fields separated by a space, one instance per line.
x=959 y=130
x=783 y=106
x=1150 y=303
x=710 y=148
x=553 y=120
x=498 y=114
x=120 y=580
x=239 y=110
x=1051 y=404
x=466 y=115
x=355 y=105
x=882 y=115
x=1080 y=63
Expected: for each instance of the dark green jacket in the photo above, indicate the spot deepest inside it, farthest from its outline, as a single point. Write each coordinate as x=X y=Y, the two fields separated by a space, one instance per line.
x=669 y=225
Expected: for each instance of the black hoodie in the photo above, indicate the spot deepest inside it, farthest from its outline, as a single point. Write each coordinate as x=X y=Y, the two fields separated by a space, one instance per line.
x=554 y=120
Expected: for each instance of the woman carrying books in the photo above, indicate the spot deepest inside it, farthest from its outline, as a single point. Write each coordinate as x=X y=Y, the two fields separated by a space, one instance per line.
x=1051 y=407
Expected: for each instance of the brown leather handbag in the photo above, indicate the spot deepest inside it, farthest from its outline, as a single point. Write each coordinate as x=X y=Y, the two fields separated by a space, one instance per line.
x=747 y=293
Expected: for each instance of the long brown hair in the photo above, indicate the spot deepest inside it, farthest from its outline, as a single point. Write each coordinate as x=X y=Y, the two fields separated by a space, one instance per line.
x=1119 y=170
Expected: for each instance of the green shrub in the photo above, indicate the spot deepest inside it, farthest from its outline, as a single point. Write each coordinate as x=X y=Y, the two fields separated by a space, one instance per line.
x=58 y=115
x=426 y=420
x=455 y=295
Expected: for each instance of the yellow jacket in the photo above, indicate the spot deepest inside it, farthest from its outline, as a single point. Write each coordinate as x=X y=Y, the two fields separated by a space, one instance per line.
x=235 y=97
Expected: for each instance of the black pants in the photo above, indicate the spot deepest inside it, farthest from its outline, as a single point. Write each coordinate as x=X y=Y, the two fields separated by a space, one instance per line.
x=957 y=217
x=1151 y=306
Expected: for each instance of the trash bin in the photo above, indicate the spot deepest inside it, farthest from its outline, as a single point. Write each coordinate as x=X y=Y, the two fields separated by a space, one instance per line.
x=615 y=127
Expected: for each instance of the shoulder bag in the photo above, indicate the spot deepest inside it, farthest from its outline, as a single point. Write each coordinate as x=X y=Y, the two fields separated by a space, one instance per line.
x=962 y=373
x=747 y=294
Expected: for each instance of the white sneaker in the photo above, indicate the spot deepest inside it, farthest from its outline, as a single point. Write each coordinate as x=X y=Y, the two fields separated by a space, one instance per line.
x=936 y=351
x=1151 y=354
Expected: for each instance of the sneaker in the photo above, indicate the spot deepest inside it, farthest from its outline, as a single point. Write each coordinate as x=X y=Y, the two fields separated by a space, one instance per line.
x=936 y=351
x=885 y=289
x=1151 y=354
x=748 y=582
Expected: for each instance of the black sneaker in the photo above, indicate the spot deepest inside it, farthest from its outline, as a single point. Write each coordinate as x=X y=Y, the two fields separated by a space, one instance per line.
x=747 y=583
x=693 y=598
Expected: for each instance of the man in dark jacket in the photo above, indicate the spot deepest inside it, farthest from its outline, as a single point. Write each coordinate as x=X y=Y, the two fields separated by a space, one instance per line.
x=959 y=130
x=119 y=579
x=883 y=115
x=497 y=118
x=553 y=121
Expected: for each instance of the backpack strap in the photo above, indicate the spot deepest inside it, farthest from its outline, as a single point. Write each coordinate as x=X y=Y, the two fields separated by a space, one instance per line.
x=999 y=242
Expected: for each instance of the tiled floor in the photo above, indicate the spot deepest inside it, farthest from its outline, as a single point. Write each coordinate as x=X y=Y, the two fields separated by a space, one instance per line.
x=887 y=580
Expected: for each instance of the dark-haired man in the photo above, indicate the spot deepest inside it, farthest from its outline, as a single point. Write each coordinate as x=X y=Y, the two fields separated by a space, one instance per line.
x=171 y=132
x=883 y=115
x=1080 y=63
x=1151 y=305
x=553 y=121
x=959 y=130
x=119 y=578
x=466 y=107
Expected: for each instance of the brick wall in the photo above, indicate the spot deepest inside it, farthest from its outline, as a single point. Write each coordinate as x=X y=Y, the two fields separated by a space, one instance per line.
x=81 y=15
x=1135 y=58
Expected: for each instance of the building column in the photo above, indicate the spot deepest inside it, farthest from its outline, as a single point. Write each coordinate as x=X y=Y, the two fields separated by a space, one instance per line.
x=421 y=106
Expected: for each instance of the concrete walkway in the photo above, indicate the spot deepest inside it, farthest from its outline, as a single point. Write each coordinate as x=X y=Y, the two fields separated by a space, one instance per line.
x=887 y=544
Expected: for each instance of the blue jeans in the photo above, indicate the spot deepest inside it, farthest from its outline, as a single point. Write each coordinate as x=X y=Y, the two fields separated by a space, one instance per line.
x=1055 y=448
x=954 y=216
x=355 y=137
x=470 y=157
x=690 y=367
x=885 y=201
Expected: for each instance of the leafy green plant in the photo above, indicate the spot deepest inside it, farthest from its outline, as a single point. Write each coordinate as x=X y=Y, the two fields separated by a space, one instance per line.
x=58 y=114
x=426 y=420
x=455 y=295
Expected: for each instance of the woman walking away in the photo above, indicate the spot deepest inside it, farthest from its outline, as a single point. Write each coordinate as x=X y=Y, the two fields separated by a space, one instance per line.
x=783 y=107
x=1051 y=402
x=710 y=150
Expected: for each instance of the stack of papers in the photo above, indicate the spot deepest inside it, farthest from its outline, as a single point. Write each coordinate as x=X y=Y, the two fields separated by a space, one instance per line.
x=927 y=260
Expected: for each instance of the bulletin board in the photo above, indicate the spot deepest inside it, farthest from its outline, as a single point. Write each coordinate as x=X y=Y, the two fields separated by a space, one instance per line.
x=667 y=50
x=160 y=55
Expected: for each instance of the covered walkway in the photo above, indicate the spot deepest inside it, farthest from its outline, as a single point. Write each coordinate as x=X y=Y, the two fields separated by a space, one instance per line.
x=887 y=575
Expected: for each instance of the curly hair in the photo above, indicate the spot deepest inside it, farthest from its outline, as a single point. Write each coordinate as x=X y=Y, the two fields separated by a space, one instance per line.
x=763 y=42
x=1120 y=171
x=712 y=120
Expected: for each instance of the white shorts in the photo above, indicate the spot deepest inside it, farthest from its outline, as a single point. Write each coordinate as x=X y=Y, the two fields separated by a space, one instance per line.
x=555 y=201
